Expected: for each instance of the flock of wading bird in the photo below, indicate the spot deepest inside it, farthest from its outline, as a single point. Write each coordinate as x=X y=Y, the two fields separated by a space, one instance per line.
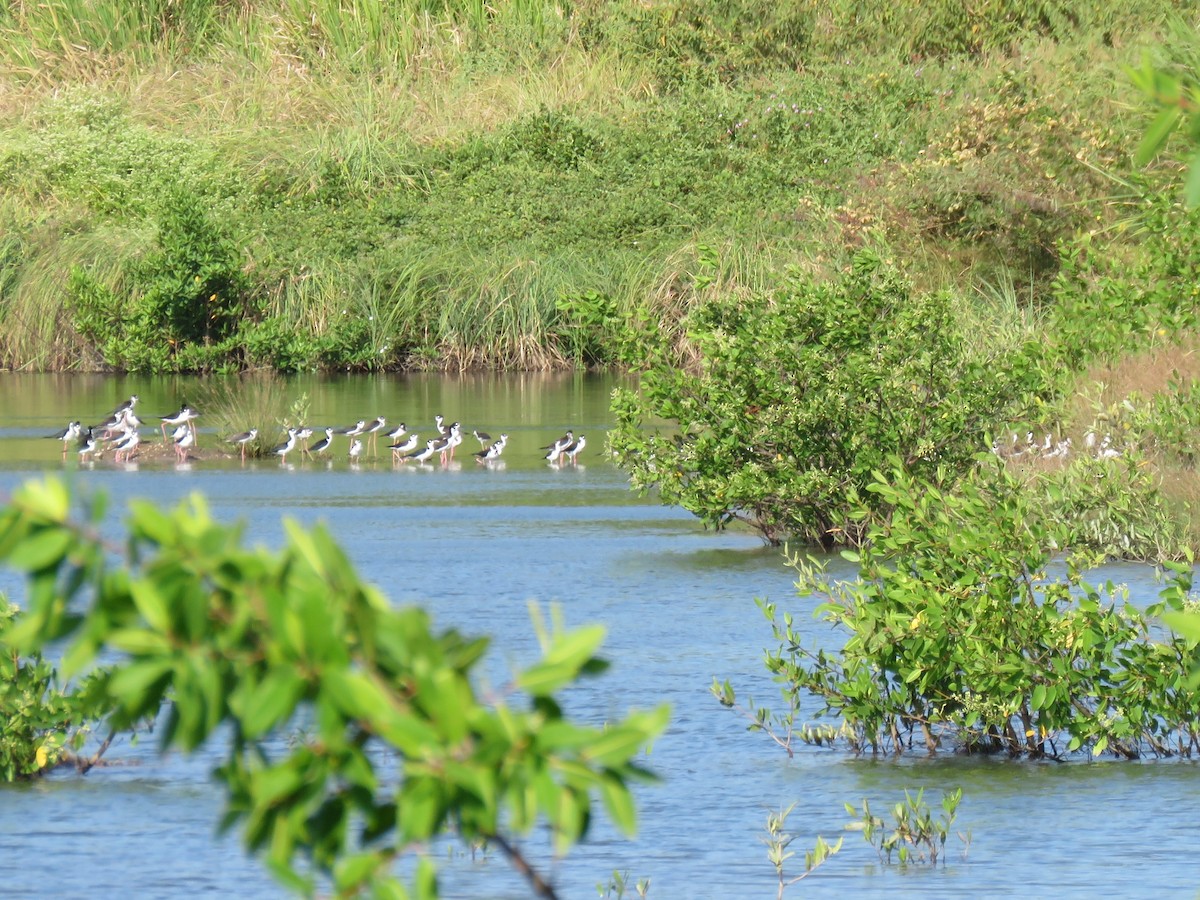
x=120 y=434
x=1048 y=448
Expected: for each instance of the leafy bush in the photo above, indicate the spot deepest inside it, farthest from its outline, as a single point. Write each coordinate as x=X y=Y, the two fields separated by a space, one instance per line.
x=955 y=632
x=800 y=398
x=189 y=296
x=241 y=645
x=42 y=723
x=1113 y=508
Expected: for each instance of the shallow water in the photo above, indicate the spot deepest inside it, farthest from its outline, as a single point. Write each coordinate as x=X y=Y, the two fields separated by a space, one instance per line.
x=474 y=545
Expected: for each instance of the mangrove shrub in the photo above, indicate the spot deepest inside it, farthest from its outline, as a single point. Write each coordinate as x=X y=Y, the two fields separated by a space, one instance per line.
x=800 y=395
x=964 y=627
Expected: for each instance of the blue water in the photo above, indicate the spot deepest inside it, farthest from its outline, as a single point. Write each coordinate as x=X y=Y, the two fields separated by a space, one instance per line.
x=475 y=546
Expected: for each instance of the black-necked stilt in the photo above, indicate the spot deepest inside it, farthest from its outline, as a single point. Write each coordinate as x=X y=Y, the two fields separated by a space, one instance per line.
x=303 y=433
x=352 y=430
x=484 y=439
x=439 y=422
x=87 y=446
x=1061 y=449
x=399 y=449
x=118 y=423
x=241 y=440
x=372 y=430
x=424 y=455
x=127 y=405
x=322 y=446
x=453 y=439
x=441 y=446
x=356 y=447
x=494 y=451
x=184 y=438
x=69 y=435
x=126 y=446
x=561 y=442
x=184 y=417
x=572 y=449
x=282 y=450
x=396 y=433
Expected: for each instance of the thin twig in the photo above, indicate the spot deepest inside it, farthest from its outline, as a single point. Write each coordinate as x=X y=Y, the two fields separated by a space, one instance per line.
x=541 y=887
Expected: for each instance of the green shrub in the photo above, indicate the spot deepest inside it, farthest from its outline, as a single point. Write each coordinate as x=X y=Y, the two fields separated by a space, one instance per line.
x=1114 y=508
x=189 y=294
x=801 y=396
x=237 y=646
x=42 y=721
x=956 y=634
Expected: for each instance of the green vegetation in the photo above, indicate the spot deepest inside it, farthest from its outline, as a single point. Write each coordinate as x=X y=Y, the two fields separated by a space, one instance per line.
x=778 y=841
x=396 y=744
x=915 y=835
x=215 y=187
x=957 y=633
x=800 y=396
x=204 y=185
x=42 y=724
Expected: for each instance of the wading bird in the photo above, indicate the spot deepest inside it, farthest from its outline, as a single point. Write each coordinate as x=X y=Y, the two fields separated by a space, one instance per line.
x=241 y=440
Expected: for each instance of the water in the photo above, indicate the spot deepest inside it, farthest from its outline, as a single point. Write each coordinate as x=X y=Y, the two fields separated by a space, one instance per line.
x=474 y=545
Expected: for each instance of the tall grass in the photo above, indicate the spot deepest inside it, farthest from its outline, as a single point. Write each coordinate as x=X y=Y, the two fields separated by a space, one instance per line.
x=1000 y=315
x=36 y=326
x=448 y=172
x=256 y=399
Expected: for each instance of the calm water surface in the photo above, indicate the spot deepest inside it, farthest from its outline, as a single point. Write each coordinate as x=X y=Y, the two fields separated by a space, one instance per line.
x=474 y=545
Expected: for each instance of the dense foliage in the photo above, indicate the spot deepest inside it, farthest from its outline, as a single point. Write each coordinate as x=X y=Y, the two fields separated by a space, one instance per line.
x=395 y=743
x=962 y=629
x=42 y=723
x=423 y=185
x=800 y=396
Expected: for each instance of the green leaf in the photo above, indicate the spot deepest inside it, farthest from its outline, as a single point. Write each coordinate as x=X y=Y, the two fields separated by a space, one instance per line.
x=619 y=802
x=131 y=683
x=48 y=499
x=139 y=642
x=271 y=701
x=151 y=604
x=1191 y=191
x=563 y=661
x=1156 y=135
x=614 y=746
x=43 y=548
x=1185 y=624
x=350 y=872
x=1038 y=699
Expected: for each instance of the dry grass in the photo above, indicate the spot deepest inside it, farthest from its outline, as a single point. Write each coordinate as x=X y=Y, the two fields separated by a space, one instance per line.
x=1146 y=373
x=1106 y=387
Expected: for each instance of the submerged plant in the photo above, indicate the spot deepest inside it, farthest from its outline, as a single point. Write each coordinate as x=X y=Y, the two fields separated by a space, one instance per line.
x=778 y=841
x=618 y=886
x=914 y=835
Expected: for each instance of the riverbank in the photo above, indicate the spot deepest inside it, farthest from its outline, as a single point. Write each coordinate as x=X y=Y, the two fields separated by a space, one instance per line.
x=238 y=187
